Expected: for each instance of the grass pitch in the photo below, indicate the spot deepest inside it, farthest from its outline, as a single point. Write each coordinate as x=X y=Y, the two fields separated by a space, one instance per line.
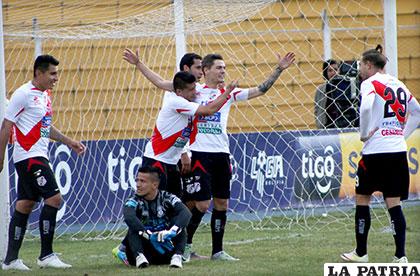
x=293 y=251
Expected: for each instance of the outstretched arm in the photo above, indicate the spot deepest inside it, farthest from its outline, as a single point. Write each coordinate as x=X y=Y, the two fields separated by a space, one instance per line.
x=211 y=108
x=157 y=80
x=283 y=64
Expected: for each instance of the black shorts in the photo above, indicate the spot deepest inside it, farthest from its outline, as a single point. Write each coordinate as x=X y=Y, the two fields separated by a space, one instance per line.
x=384 y=172
x=210 y=177
x=170 y=176
x=36 y=179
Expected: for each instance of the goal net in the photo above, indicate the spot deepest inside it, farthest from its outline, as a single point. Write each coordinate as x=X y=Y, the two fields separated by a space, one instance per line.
x=286 y=172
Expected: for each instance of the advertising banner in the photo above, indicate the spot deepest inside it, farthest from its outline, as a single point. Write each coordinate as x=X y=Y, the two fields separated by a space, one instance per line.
x=270 y=171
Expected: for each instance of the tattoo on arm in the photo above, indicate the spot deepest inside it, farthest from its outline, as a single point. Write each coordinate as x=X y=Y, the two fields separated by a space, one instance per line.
x=263 y=87
x=56 y=135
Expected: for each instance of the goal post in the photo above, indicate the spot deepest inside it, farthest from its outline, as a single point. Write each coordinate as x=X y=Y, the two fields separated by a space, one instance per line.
x=4 y=175
x=285 y=171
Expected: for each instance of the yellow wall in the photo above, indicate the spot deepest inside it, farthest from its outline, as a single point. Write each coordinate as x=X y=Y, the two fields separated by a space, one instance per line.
x=100 y=96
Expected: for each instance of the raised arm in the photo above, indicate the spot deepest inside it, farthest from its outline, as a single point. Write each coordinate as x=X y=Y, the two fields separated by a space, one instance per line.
x=215 y=105
x=157 y=80
x=77 y=146
x=283 y=64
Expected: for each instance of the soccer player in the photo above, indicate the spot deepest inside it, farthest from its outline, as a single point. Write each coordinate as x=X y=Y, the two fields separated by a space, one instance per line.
x=191 y=63
x=210 y=150
x=388 y=114
x=174 y=126
x=30 y=113
x=156 y=223
x=173 y=129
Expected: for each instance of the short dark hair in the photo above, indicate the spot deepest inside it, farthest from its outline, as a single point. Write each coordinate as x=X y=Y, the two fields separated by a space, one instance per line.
x=375 y=57
x=209 y=59
x=182 y=79
x=43 y=62
x=151 y=170
x=188 y=59
x=325 y=65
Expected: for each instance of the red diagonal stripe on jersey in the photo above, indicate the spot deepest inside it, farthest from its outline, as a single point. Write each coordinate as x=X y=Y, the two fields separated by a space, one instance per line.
x=380 y=90
x=159 y=144
x=179 y=110
x=30 y=139
x=411 y=97
x=194 y=130
x=158 y=165
x=198 y=165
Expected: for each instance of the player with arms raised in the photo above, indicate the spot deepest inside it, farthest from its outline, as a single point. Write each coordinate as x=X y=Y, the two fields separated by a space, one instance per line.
x=174 y=126
x=190 y=62
x=172 y=132
x=388 y=114
x=210 y=148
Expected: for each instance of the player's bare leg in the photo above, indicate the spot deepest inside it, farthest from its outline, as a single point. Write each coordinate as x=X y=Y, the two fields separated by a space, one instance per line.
x=198 y=209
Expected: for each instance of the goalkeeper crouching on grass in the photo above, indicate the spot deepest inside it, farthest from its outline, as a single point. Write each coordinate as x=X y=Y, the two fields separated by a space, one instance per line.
x=156 y=224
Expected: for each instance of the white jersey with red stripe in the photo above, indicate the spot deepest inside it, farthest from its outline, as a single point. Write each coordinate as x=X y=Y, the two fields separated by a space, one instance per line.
x=31 y=112
x=384 y=105
x=172 y=130
x=210 y=132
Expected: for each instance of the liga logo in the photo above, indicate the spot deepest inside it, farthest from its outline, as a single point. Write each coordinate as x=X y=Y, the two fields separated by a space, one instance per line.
x=267 y=170
x=372 y=269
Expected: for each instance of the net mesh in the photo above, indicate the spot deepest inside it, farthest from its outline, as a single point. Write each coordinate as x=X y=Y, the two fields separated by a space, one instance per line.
x=102 y=100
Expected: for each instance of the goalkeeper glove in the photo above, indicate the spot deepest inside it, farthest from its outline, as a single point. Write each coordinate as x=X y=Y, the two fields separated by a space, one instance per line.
x=153 y=238
x=145 y=234
x=167 y=245
x=157 y=245
x=167 y=235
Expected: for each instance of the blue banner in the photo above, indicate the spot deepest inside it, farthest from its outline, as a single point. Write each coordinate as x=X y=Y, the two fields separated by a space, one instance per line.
x=270 y=171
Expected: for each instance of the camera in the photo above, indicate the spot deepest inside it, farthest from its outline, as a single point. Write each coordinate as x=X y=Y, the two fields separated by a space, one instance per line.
x=349 y=68
x=343 y=97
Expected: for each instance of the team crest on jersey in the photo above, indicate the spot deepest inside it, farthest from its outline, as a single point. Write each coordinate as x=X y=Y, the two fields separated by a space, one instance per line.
x=212 y=96
x=41 y=181
x=159 y=212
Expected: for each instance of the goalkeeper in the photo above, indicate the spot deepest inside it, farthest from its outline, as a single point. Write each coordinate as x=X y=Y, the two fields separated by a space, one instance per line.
x=156 y=224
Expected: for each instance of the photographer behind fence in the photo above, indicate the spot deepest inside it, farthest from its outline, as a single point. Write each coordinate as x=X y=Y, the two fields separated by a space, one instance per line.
x=338 y=107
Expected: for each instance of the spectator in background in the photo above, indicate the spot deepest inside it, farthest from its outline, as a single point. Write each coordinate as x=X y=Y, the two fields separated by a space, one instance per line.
x=329 y=70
